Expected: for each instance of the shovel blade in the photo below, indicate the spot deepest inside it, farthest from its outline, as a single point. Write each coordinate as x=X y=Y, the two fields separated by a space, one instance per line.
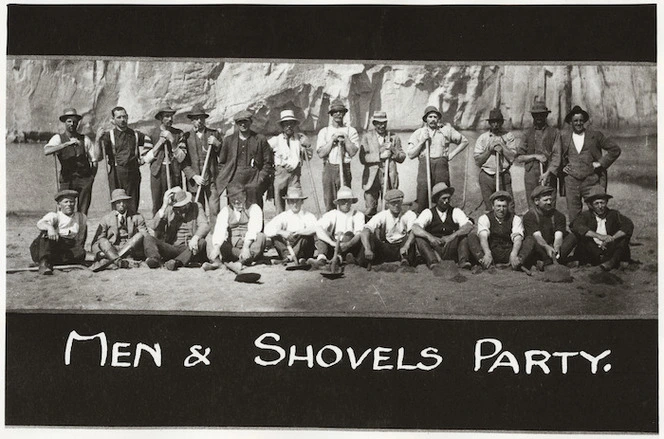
x=247 y=278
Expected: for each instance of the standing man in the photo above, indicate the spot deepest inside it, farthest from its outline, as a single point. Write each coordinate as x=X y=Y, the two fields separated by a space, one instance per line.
x=438 y=141
x=121 y=146
x=199 y=141
x=377 y=147
x=246 y=160
x=336 y=145
x=584 y=164
x=495 y=142
x=540 y=150
x=288 y=148
x=169 y=150
x=78 y=158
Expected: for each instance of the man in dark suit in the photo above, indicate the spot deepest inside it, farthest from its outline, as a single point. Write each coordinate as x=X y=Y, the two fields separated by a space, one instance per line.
x=583 y=161
x=246 y=159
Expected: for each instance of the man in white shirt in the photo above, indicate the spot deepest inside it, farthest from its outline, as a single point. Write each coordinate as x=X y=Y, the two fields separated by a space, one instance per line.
x=343 y=223
x=288 y=148
x=336 y=145
x=387 y=236
x=441 y=231
x=295 y=228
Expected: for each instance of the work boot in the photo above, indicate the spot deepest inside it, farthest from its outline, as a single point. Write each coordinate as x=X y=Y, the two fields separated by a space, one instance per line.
x=209 y=266
x=109 y=250
x=45 y=268
x=153 y=262
x=122 y=263
x=173 y=264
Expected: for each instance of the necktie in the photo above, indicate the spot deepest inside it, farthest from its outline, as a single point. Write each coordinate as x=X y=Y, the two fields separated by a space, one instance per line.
x=123 y=222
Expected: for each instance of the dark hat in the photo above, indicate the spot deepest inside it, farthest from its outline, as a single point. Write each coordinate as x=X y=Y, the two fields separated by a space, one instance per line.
x=541 y=191
x=119 y=195
x=345 y=193
x=499 y=195
x=234 y=190
x=70 y=112
x=577 y=110
x=431 y=109
x=440 y=188
x=495 y=114
x=337 y=105
x=294 y=193
x=597 y=192
x=379 y=116
x=393 y=195
x=197 y=111
x=243 y=115
x=66 y=193
x=164 y=110
x=181 y=197
x=539 y=107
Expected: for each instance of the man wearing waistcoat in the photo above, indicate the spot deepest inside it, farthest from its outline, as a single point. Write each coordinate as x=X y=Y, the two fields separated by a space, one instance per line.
x=540 y=149
x=121 y=146
x=584 y=164
x=376 y=148
x=441 y=231
x=78 y=157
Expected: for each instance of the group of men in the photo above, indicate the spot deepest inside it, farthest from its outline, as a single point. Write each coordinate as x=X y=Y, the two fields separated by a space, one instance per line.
x=191 y=170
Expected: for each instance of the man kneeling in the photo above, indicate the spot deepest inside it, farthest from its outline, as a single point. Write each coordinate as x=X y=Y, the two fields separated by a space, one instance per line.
x=294 y=228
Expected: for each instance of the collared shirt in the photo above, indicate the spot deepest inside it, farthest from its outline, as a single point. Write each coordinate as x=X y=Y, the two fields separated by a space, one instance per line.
x=458 y=216
x=397 y=228
x=286 y=151
x=291 y=222
x=324 y=136
x=336 y=223
x=67 y=226
x=578 y=140
x=484 y=226
x=121 y=147
x=486 y=141
x=88 y=144
x=601 y=229
x=254 y=226
x=440 y=141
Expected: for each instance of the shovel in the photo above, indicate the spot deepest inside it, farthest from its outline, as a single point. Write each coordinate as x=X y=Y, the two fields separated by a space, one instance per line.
x=335 y=270
x=296 y=265
x=246 y=278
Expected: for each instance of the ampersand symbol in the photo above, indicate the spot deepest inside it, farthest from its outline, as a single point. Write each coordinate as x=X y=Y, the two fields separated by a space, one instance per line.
x=196 y=356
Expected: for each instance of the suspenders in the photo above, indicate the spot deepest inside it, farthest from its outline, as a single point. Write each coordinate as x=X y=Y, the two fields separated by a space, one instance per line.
x=115 y=155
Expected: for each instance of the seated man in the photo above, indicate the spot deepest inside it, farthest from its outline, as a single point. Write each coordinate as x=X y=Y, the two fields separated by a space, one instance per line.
x=387 y=236
x=441 y=231
x=237 y=233
x=499 y=236
x=344 y=224
x=603 y=233
x=62 y=235
x=180 y=227
x=294 y=228
x=120 y=228
x=547 y=240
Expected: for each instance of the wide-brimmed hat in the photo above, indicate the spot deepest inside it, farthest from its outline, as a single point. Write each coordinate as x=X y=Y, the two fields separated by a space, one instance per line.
x=495 y=114
x=345 y=193
x=577 y=110
x=287 y=115
x=379 y=116
x=499 y=195
x=197 y=111
x=337 y=105
x=294 y=193
x=164 y=110
x=243 y=115
x=539 y=107
x=119 y=195
x=393 y=195
x=66 y=193
x=431 y=109
x=181 y=198
x=440 y=188
x=597 y=192
x=541 y=191
x=70 y=112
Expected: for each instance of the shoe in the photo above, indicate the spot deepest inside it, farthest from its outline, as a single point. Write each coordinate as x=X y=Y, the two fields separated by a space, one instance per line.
x=173 y=264
x=540 y=265
x=476 y=269
x=209 y=266
x=302 y=261
x=122 y=263
x=317 y=263
x=404 y=263
x=350 y=259
x=152 y=262
x=45 y=268
x=607 y=266
x=465 y=265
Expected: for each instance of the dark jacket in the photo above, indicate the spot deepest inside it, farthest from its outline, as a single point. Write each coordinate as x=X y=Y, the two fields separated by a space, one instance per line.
x=614 y=221
x=167 y=227
x=581 y=165
x=155 y=166
x=257 y=149
x=551 y=144
x=193 y=163
x=108 y=227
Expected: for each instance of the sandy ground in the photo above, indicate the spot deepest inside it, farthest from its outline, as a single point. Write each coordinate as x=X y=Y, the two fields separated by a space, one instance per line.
x=627 y=292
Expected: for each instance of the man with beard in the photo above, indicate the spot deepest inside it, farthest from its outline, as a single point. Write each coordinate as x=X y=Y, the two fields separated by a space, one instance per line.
x=78 y=157
x=540 y=150
x=246 y=160
x=438 y=141
x=377 y=147
x=603 y=233
x=336 y=145
x=441 y=231
x=288 y=148
x=584 y=164
x=495 y=144
x=167 y=153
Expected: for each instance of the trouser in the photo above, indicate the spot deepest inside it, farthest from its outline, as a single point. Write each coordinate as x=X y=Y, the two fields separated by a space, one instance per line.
x=283 y=179
x=323 y=248
x=248 y=178
x=455 y=250
x=588 y=251
x=576 y=189
x=62 y=251
x=163 y=251
x=159 y=186
x=303 y=246
x=440 y=173
x=531 y=181
x=387 y=251
x=488 y=187
x=533 y=252
x=230 y=250
x=331 y=183
x=82 y=185
x=374 y=193
x=137 y=250
x=500 y=252
x=212 y=204
x=129 y=179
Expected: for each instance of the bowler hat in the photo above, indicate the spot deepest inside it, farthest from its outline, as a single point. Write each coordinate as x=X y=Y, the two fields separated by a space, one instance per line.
x=500 y=195
x=337 y=105
x=66 y=193
x=294 y=193
x=235 y=190
x=495 y=114
x=597 y=192
x=393 y=195
x=243 y=115
x=440 y=188
x=541 y=191
x=119 y=195
x=345 y=193
x=181 y=197
x=287 y=115
x=197 y=111
x=379 y=116
x=70 y=112
x=162 y=111
x=577 y=110
x=539 y=107
x=431 y=109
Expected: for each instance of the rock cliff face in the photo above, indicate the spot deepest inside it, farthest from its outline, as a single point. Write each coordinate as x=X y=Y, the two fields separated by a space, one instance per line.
x=619 y=97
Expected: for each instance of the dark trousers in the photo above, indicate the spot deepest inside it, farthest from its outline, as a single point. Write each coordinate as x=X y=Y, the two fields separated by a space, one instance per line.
x=230 y=250
x=82 y=185
x=209 y=198
x=323 y=248
x=499 y=252
x=577 y=189
x=588 y=251
x=62 y=251
x=387 y=252
x=531 y=181
x=374 y=193
x=533 y=252
x=488 y=186
x=136 y=252
x=283 y=180
x=248 y=178
x=303 y=246
x=455 y=250
x=331 y=183
x=159 y=186
x=440 y=173
x=163 y=251
x=129 y=179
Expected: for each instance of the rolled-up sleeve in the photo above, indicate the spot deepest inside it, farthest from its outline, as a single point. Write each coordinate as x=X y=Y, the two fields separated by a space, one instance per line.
x=277 y=223
x=517 y=227
x=358 y=222
x=221 y=228
x=483 y=225
x=424 y=219
x=255 y=224
x=460 y=217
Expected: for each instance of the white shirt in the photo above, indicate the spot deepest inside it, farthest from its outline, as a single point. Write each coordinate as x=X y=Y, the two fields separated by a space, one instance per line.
x=254 y=226
x=484 y=226
x=291 y=222
x=285 y=155
x=89 y=147
x=458 y=216
x=336 y=223
x=578 y=140
x=601 y=229
x=67 y=226
x=327 y=133
x=397 y=228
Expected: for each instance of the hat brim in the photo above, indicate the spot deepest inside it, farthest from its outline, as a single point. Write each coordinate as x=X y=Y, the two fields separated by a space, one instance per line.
x=333 y=110
x=64 y=117
x=449 y=190
x=295 y=198
x=540 y=111
x=570 y=115
x=424 y=118
x=593 y=198
x=115 y=200
x=195 y=115
x=188 y=198
x=289 y=119
x=354 y=200
x=72 y=194
x=160 y=113
x=379 y=119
